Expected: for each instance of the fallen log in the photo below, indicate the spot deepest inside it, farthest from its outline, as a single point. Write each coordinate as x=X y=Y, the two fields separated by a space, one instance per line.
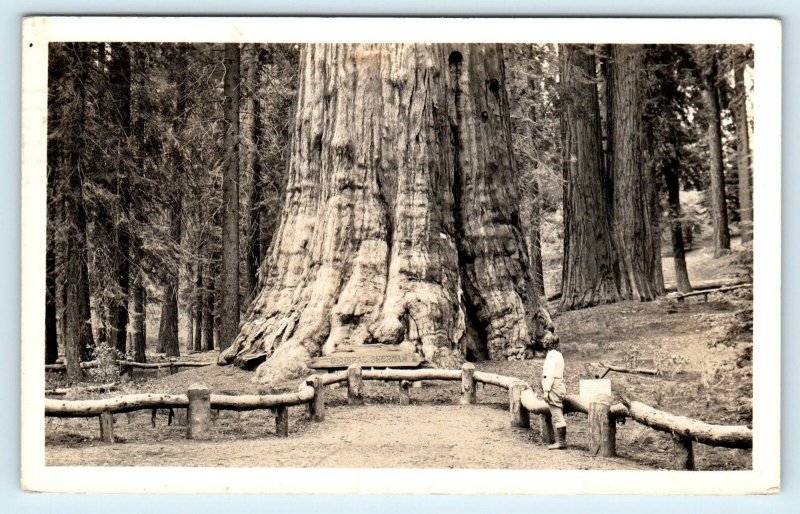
x=411 y=374
x=254 y=402
x=728 y=436
x=622 y=369
x=128 y=403
x=62 y=391
x=495 y=379
x=709 y=284
x=706 y=292
x=61 y=367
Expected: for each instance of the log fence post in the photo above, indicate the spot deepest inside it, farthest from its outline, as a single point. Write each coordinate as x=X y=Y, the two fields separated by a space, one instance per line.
x=546 y=428
x=355 y=385
x=107 y=427
x=404 y=387
x=520 y=417
x=199 y=412
x=602 y=428
x=317 y=404
x=683 y=452
x=468 y=391
x=282 y=421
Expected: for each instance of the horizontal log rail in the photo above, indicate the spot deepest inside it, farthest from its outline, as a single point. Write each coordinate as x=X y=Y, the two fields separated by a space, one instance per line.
x=61 y=367
x=523 y=402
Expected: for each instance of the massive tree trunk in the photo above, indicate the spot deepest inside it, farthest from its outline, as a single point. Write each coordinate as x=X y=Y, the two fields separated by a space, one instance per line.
x=742 y=145
x=400 y=224
x=632 y=204
x=719 y=210
x=120 y=88
x=589 y=273
x=229 y=312
x=672 y=178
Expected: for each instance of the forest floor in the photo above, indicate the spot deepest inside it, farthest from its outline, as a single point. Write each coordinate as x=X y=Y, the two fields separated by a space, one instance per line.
x=702 y=355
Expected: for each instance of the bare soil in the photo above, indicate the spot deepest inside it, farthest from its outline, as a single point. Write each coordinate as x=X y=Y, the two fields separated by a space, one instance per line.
x=702 y=373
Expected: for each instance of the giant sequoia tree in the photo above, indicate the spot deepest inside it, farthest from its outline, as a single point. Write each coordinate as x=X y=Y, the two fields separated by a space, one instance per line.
x=634 y=202
x=590 y=273
x=400 y=223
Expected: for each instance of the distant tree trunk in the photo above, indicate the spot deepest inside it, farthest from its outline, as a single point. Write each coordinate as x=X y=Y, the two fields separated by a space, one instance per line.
x=719 y=210
x=139 y=293
x=168 y=332
x=51 y=328
x=535 y=243
x=139 y=316
x=120 y=84
x=400 y=224
x=632 y=193
x=78 y=326
x=589 y=275
x=208 y=312
x=742 y=146
x=251 y=169
x=198 y=305
x=229 y=312
x=653 y=206
x=672 y=179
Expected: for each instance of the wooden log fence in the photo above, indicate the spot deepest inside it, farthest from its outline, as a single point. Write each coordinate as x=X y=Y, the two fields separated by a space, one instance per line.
x=523 y=402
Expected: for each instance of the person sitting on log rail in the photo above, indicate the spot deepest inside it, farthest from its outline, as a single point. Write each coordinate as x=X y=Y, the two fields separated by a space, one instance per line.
x=555 y=391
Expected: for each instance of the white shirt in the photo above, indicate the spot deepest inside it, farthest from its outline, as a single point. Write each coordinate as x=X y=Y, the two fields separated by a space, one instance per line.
x=553 y=369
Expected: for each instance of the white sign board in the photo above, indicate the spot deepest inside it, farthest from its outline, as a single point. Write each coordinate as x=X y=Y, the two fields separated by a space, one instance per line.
x=592 y=388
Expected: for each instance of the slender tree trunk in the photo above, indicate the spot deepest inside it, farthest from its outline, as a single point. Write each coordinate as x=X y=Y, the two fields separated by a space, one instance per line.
x=742 y=146
x=198 y=304
x=78 y=324
x=139 y=317
x=251 y=167
x=208 y=313
x=632 y=208
x=672 y=178
x=653 y=206
x=51 y=328
x=120 y=84
x=719 y=210
x=139 y=291
x=229 y=314
x=168 y=333
x=589 y=264
x=400 y=223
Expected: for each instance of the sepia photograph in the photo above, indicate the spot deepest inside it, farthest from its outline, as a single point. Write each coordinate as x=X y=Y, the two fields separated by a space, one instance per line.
x=365 y=255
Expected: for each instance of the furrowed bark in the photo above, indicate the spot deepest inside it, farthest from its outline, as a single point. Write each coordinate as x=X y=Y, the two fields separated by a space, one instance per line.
x=589 y=273
x=742 y=146
x=632 y=197
x=229 y=312
x=399 y=222
x=78 y=329
x=719 y=210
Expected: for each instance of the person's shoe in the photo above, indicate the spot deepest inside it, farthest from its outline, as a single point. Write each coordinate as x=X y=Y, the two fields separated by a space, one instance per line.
x=561 y=439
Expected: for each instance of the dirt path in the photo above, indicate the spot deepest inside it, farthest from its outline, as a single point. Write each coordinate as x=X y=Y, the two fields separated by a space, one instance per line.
x=443 y=436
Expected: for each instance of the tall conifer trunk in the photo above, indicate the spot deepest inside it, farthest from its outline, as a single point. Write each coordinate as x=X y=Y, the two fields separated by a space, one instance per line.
x=229 y=314
x=742 y=146
x=632 y=183
x=589 y=273
x=400 y=223
x=717 y=199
